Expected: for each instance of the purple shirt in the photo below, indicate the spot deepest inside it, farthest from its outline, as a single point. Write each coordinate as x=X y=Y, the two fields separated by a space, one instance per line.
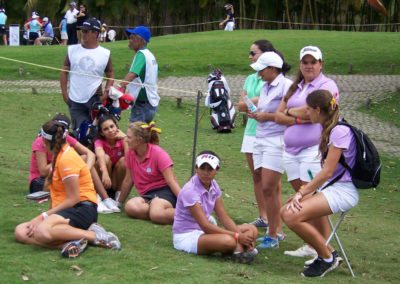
x=298 y=137
x=342 y=137
x=270 y=98
x=194 y=192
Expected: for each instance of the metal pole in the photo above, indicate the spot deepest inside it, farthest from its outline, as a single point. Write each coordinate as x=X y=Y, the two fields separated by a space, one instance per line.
x=196 y=124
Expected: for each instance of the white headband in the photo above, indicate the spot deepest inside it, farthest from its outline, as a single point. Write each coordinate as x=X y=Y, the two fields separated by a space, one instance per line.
x=46 y=135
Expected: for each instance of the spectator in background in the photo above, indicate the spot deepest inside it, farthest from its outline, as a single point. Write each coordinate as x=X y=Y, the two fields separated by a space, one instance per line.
x=48 y=33
x=229 y=22
x=80 y=18
x=3 y=20
x=33 y=27
x=63 y=31
x=103 y=32
x=70 y=15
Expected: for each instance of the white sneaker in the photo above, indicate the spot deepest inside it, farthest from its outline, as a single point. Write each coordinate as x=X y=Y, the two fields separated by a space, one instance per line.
x=303 y=251
x=102 y=208
x=112 y=205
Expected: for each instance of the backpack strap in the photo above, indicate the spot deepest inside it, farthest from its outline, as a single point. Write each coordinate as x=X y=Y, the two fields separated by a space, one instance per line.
x=338 y=177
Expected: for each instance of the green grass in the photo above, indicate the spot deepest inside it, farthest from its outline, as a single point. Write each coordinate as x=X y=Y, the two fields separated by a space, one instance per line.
x=370 y=233
x=386 y=110
x=191 y=54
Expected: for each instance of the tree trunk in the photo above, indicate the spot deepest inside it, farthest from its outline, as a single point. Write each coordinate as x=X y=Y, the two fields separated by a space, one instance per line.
x=287 y=14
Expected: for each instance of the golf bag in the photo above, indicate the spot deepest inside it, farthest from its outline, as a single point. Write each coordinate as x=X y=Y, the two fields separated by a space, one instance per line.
x=218 y=100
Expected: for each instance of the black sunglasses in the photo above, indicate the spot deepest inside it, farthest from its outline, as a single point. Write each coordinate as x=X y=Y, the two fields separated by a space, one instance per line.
x=252 y=53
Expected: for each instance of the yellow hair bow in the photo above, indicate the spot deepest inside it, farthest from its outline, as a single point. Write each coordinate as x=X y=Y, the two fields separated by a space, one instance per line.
x=151 y=127
x=333 y=103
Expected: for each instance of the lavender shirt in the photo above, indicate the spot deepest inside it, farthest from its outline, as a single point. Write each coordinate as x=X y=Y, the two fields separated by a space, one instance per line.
x=270 y=98
x=342 y=137
x=194 y=192
x=298 y=137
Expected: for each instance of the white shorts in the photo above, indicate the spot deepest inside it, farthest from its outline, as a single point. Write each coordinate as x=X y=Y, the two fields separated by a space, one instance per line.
x=341 y=196
x=187 y=242
x=268 y=153
x=64 y=35
x=297 y=166
x=248 y=144
x=230 y=26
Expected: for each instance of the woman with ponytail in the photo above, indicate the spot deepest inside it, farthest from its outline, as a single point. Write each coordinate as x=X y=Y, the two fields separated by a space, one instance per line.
x=319 y=198
x=70 y=222
x=149 y=168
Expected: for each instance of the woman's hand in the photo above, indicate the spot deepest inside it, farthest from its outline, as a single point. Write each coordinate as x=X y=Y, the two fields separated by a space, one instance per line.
x=105 y=179
x=120 y=135
x=32 y=226
x=294 y=202
x=246 y=238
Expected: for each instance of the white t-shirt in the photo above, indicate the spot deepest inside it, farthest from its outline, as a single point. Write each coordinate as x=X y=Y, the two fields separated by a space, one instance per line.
x=70 y=16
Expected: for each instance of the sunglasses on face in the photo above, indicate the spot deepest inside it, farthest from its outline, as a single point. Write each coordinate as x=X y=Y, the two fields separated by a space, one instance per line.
x=252 y=53
x=312 y=62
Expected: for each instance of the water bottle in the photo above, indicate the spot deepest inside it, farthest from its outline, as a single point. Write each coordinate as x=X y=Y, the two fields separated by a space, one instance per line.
x=250 y=105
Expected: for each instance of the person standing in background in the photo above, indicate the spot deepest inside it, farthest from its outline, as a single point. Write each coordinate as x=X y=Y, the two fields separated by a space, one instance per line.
x=230 y=18
x=80 y=18
x=3 y=20
x=63 y=31
x=70 y=15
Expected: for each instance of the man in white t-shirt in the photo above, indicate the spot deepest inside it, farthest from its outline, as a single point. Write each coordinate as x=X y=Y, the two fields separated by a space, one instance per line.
x=87 y=63
x=70 y=16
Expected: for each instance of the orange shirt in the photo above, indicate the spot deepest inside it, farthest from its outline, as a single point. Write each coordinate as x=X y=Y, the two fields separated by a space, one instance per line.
x=70 y=164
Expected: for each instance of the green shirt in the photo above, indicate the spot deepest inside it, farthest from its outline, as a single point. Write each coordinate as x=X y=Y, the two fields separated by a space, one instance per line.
x=139 y=68
x=252 y=86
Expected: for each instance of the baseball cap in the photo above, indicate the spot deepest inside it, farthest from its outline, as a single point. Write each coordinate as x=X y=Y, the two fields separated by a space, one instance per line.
x=212 y=160
x=45 y=19
x=34 y=16
x=311 y=50
x=141 y=31
x=228 y=6
x=91 y=24
x=267 y=59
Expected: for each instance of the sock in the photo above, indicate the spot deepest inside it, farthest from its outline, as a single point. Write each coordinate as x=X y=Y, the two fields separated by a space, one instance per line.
x=329 y=260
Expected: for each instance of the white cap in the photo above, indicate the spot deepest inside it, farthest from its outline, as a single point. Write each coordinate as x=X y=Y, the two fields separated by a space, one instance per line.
x=311 y=50
x=212 y=160
x=35 y=16
x=45 y=19
x=267 y=59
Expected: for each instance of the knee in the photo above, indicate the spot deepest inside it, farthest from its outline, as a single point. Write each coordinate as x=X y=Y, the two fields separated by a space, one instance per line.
x=120 y=164
x=228 y=243
x=133 y=208
x=288 y=217
x=20 y=233
x=42 y=235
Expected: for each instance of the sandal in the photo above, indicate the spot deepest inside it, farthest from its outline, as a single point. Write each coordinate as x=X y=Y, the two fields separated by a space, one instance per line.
x=74 y=249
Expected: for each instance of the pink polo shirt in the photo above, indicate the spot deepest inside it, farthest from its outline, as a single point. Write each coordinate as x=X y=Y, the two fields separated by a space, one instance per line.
x=115 y=153
x=38 y=146
x=147 y=174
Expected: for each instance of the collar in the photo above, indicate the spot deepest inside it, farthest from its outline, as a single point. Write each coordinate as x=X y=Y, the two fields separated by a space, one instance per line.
x=200 y=186
x=276 y=80
x=313 y=82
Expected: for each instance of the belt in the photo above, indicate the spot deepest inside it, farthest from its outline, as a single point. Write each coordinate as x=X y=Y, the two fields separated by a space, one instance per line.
x=88 y=203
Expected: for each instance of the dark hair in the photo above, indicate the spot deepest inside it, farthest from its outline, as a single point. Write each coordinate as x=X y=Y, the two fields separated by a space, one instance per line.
x=265 y=45
x=324 y=100
x=140 y=129
x=63 y=119
x=103 y=119
x=58 y=132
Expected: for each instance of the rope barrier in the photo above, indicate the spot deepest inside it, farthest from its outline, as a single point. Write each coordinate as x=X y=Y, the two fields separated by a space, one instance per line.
x=94 y=76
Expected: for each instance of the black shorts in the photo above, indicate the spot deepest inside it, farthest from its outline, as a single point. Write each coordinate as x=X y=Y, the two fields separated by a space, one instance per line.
x=163 y=193
x=33 y=35
x=82 y=215
x=2 y=30
x=37 y=184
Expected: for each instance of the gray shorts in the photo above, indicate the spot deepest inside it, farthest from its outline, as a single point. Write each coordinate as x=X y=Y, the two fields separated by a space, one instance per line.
x=142 y=111
x=81 y=111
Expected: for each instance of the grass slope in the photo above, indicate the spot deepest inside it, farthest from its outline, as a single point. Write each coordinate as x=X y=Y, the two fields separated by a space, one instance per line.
x=192 y=54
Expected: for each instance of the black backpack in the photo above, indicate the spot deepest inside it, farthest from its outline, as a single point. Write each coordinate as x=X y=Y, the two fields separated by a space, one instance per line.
x=366 y=172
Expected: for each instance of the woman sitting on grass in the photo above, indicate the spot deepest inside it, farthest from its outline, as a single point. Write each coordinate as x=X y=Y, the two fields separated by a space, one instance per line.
x=192 y=230
x=110 y=148
x=70 y=222
x=305 y=207
x=149 y=168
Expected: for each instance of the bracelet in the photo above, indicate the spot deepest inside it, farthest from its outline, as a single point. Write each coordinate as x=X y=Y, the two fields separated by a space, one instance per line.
x=298 y=120
x=236 y=236
x=44 y=216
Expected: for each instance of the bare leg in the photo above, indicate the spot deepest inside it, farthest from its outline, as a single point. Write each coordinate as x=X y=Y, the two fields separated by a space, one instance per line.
x=137 y=208
x=211 y=243
x=118 y=173
x=256 y=174
x=98 y=185
x=161 y=211
x=270 y=184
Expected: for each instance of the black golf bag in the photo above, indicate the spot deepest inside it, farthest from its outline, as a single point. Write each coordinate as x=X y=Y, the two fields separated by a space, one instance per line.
x=218 y=100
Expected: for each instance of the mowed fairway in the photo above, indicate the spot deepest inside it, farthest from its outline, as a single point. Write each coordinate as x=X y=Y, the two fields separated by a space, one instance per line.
x=369 y=233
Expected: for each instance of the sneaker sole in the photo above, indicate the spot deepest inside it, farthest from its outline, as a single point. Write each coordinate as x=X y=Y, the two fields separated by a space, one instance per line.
x=67 y=251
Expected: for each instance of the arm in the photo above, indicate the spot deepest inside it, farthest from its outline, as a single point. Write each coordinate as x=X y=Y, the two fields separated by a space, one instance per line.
x=170 y=178
x=242 y=106
x=128 y=78
x=101 y=159
x=43 y=166
x=262 y=116
x=109 y=71
x=90 y=156
x=64 y=79
x=224 y=21
x=325 y=174
x=284 y=118
x=125 y=186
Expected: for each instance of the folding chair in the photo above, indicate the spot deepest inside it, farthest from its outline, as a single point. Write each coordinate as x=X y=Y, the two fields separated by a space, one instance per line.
x=334 y=234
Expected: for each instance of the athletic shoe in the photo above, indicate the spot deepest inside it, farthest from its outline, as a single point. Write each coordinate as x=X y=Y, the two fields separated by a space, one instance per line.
x=269 y=242
x=259 y=223
x=103 y=238
x=112 y=205
x=320 y=267
x=245 y=257
x=102 y=208
x=303 y=251
x=307 y=263
x=281 y=237
x=74 y=249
